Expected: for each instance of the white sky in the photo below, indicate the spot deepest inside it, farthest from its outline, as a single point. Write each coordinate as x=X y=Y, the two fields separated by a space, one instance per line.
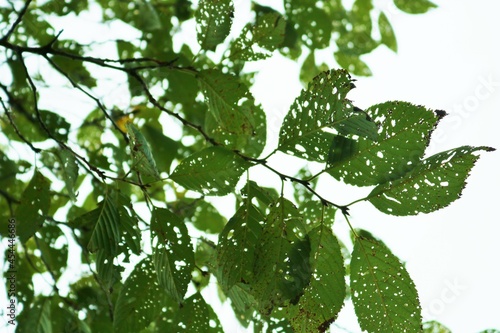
x=444 y=59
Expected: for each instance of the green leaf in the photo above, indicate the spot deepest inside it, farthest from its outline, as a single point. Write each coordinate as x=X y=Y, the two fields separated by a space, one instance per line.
x=36 y=317
x=212 y=171
x=322 y=106
x=282 y=268
x=65 y=319
x=213 y=19
x=173 y=255
x=54 y=251
x=268 y=32
x=431 y=185
x=265 y=195
x=236 y=247
x=309 y=70
x=106 y=232
x=403 y=135
x=324 y=296
x=241 y=124
x=415 y=6
x=352 y=63
x=384 y=296
x=388 y=37
x=33 y=207
x=148 y=19
x=435 y=327
x=69 y=171
x=313 y=24
x=140 y=301
x=130 y=233
x=196 y=316
x=142 y=158
x=208 y=219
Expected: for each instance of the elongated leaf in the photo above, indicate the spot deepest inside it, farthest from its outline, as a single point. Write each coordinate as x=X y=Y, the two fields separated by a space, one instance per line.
x=324 y=296
x=34 y=205
x=106 y=233
x=431 y=185
x=415 y=6
x=36 y=318
x=236 y=247
x=69 y=170
x=196 y=316
x=384 y=296
x=388 y=37
x=322 y=106
x=142 y=158
x=173 y=255
x=130 y=233
x=282 y=267
x=213 y=171
x=237 y=121
x=404 y=134
x=213 y=18
x=140 y=301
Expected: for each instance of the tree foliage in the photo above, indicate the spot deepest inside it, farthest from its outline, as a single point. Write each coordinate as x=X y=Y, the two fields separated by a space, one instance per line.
x=131 y=187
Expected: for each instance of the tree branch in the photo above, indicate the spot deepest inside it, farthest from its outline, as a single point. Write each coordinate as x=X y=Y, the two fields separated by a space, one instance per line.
x=16 y=22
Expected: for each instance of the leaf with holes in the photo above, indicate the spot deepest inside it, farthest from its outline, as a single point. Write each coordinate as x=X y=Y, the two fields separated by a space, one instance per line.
x=142 y=158
x=313 y=24
x=282 y=269
x=306 y=131
x=238 y=123
x=173 y=255
x=236 y=247
x=213 y=20
x=404 y=134
x=212 y=171
x=268 y=32
x=140 y=301
x=415 y=6
x=34 y=206
x=69 y=171
x=106 y=233
x=196 y=316
x=431 y=185
x=384 y=296
x=324 y=296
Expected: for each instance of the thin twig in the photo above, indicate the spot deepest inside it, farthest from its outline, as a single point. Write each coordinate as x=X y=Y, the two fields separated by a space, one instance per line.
x=17 y=21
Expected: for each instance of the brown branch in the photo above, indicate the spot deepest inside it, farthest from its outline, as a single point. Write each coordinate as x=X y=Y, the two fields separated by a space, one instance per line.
x=16 y=22
x=19 y=134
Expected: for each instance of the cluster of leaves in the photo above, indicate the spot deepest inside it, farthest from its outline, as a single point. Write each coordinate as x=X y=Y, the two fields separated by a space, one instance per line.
x=277 y=259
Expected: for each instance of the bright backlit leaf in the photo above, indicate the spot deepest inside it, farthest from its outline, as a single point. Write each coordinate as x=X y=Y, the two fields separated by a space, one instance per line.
x=387 y=34
x=384 y=296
